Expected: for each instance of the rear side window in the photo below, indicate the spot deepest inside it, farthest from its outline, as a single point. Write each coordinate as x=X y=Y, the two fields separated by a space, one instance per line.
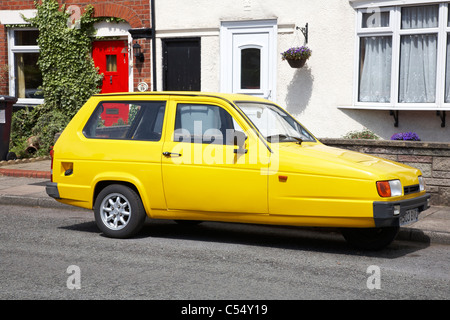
x=126 y=120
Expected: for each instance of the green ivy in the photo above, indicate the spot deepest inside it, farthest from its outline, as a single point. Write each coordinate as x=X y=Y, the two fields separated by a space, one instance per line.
x=69 y=76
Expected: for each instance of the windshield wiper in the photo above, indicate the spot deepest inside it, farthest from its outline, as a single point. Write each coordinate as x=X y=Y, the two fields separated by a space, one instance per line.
x=279 y=137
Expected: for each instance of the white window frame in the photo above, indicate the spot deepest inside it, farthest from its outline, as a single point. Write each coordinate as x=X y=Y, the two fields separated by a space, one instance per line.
x=230 y=28
x=12 y=50
x=394 y=30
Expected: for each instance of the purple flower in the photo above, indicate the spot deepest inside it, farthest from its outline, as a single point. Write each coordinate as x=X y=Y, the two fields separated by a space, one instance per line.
x=296 y=53
x=409 y=136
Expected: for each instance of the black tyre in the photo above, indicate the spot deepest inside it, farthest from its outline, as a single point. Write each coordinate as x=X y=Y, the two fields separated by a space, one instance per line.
x=370 y=238
x=119 y=212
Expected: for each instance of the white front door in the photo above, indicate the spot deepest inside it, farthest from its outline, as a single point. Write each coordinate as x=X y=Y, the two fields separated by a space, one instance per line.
x=248 y=58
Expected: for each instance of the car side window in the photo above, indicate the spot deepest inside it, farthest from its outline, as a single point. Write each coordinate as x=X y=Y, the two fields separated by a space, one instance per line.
x=200 y=123
x=126 y=120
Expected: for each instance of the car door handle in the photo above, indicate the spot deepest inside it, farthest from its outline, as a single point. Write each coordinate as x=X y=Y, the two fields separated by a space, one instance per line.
x=110 y=79
x=171 y=154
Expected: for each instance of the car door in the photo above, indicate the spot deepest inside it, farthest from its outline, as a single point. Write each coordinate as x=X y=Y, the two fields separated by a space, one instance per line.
x=203 y=169
x=128 y=149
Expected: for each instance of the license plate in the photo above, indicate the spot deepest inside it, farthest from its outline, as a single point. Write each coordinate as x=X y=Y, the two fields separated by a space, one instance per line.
x=410 y=216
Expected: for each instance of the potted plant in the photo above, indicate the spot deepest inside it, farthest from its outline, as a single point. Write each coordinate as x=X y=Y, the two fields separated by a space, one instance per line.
x=296 y=56
x=408 y=136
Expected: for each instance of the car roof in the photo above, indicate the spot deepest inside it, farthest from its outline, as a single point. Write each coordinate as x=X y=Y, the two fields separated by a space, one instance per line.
x=228 y=96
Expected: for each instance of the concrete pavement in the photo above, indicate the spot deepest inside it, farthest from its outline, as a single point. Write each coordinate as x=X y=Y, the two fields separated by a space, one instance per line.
x=22 y=182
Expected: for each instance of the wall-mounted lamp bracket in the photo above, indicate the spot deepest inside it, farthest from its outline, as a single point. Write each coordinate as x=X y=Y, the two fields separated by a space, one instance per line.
x=137 y=52
x=304 y=30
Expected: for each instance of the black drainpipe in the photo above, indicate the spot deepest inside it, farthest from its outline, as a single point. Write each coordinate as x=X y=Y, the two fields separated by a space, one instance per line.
x=153 y=45
x=148 y=33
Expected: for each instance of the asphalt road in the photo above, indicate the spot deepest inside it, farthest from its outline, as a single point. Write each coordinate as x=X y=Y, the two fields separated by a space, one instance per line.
x=60 y=254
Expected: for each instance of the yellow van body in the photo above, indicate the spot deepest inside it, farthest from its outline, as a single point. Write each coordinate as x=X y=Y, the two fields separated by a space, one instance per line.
x=300 y=183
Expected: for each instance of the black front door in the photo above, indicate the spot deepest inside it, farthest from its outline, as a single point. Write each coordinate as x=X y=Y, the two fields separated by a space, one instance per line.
x=181 y=64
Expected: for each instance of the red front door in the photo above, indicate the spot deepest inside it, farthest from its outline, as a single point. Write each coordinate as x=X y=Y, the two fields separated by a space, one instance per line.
x=111 y=57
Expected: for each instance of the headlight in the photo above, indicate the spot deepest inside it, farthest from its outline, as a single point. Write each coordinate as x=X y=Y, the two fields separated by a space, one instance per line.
x=391 y=188
x=421 y=184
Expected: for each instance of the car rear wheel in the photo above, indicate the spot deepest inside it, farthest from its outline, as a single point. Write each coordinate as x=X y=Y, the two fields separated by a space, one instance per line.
x=370 y=238
x=119 y=212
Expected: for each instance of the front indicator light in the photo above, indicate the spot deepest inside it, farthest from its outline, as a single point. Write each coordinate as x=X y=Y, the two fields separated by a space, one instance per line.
x=384 y=190
x=390 y=188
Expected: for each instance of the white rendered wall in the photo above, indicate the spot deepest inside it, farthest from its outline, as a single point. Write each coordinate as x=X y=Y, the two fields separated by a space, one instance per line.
x=313 y=93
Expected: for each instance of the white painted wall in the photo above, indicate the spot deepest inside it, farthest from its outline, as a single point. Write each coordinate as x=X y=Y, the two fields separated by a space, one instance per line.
x=313 y=93
x=15 y=16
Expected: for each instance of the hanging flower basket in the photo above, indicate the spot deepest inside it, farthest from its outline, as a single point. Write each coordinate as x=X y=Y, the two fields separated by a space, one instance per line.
x=296 y=56
x=296 y=63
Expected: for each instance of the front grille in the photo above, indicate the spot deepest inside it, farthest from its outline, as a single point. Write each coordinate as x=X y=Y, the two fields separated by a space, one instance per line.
x=411 y=189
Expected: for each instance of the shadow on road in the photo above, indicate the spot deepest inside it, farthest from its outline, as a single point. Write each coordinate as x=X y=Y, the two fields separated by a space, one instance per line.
x=282 y=237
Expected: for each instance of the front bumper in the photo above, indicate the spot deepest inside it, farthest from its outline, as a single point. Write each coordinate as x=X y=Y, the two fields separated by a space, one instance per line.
x=52 y=190
x=383 y=212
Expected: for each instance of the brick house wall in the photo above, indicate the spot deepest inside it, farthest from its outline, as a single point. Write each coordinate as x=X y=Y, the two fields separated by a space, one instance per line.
x=136 y=13
x=3 y=61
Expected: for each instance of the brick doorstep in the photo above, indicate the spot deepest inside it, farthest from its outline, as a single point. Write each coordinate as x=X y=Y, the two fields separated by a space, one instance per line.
x=25 y=173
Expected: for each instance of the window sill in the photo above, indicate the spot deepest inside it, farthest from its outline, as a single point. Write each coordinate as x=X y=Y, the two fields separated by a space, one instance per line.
x=424 y=107
x=28 y=102
x=394 y=110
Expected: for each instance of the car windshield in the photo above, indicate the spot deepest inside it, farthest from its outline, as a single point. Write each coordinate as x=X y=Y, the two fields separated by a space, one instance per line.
x=273 y=123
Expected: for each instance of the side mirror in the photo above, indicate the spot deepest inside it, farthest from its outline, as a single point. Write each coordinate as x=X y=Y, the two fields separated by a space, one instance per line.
x=239 y=141
x=239 y=138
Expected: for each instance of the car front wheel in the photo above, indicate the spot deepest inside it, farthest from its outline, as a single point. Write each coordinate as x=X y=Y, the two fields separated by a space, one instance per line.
x=370 y=238
x=119 y=212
